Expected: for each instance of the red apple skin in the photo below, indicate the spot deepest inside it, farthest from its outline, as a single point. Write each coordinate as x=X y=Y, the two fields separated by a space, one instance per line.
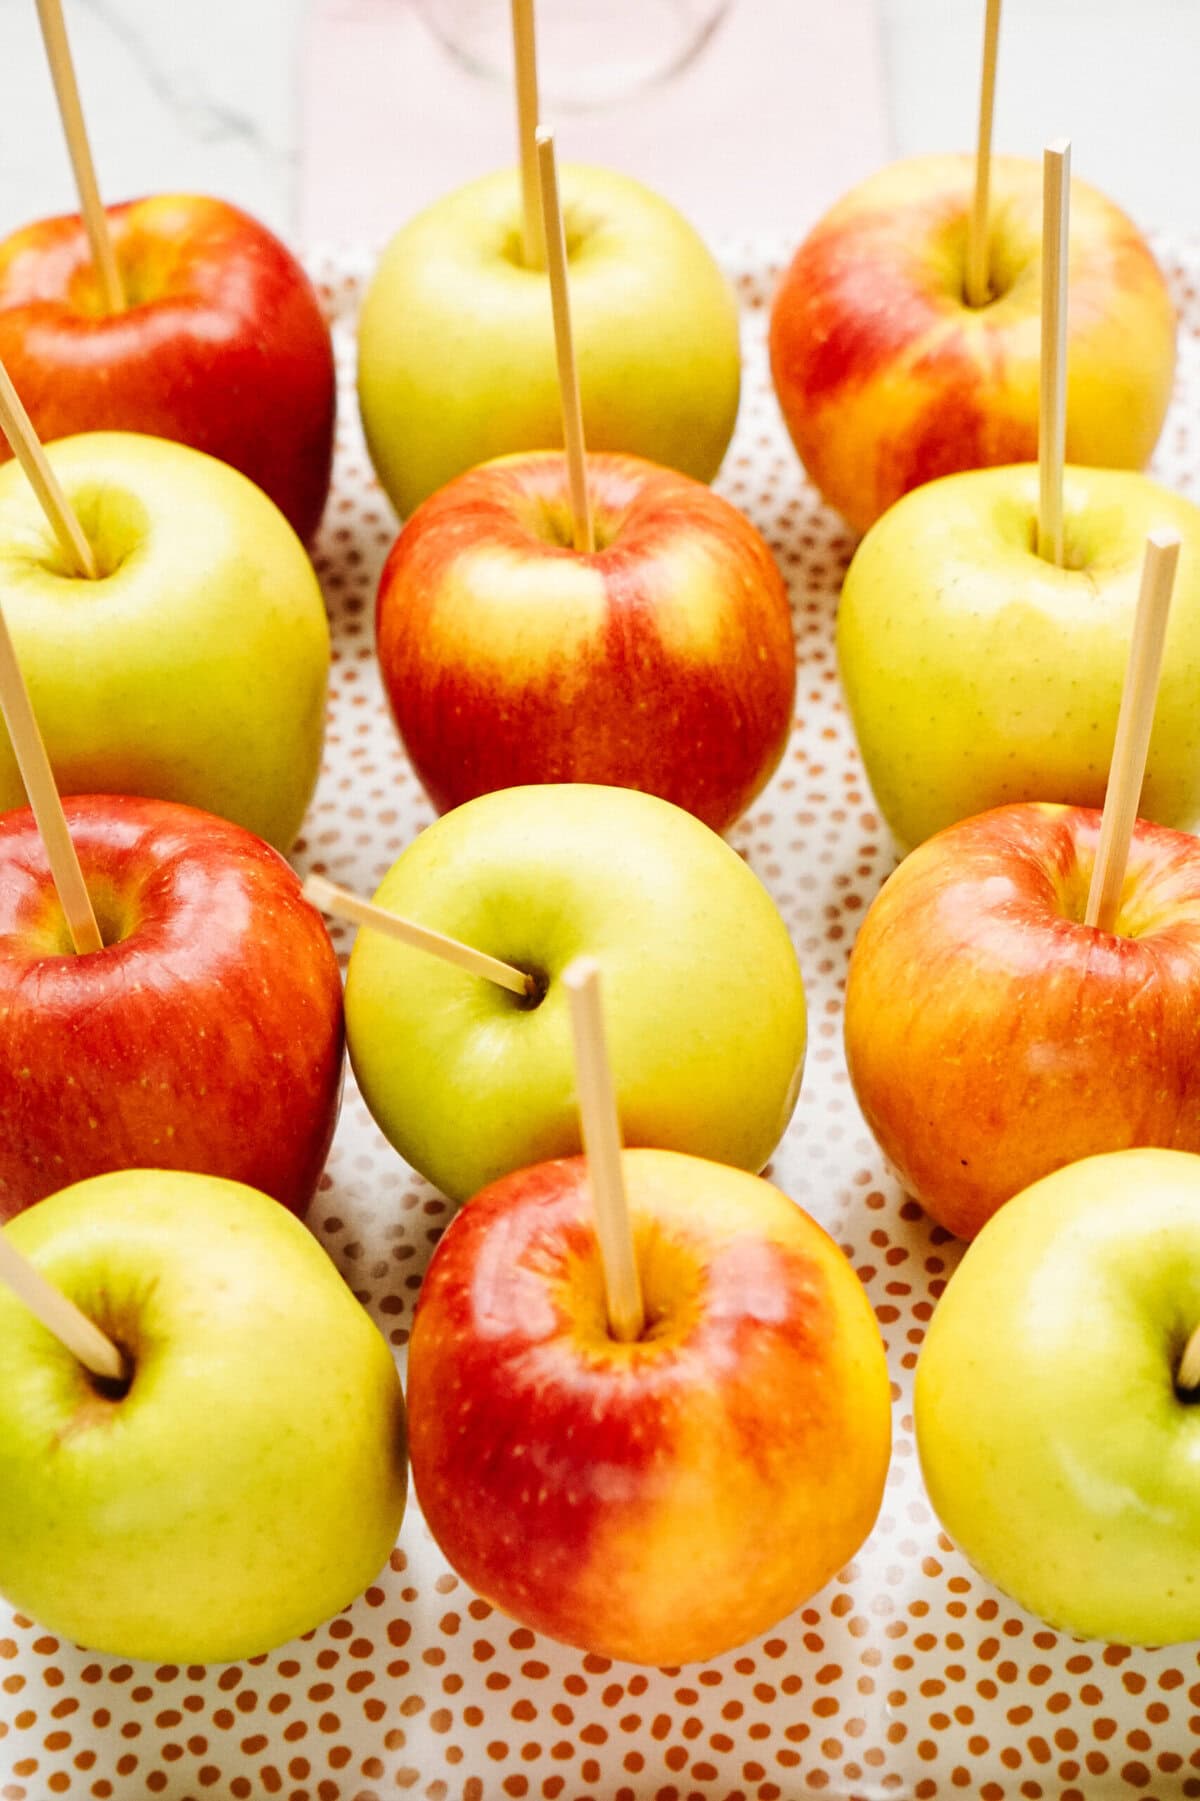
x=222 y=345
x=206 y=1036
x=665 y=1500
x=992 y=1037
x=665 y=661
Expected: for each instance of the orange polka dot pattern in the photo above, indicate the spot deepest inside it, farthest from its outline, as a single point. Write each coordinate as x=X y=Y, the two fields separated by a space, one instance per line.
x=909 y=1675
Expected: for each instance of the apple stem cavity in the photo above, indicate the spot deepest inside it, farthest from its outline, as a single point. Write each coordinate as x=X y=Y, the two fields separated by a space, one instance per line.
x=978 y=286
x=1131 y=747
x=564 y=344
x=340 y=903
x=602 y=1147
x=66 y=92
x=73 y=1329
x=525 y=72
x=1187 y=1376
x=17 y=427
x=1052 y=412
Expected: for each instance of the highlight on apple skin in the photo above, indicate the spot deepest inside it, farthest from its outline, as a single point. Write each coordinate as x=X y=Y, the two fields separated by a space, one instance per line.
x=887 y=378
x=665 y=661
x=665 y=1500
x=992 y=1037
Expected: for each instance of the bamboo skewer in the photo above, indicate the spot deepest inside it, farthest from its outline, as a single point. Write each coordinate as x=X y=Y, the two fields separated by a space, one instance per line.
x=81 y=1336
x=342 y=904
x=1052 y=415
x=18 y=429
x=66 y=92
x=1188 y=1374
x=1134 y=724
x=525 y=66
x=602 y=1147
x=568 y=369
x=978 y=286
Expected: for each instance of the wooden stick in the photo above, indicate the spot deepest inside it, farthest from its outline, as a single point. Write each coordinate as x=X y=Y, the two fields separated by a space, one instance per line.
x=342 y=904
x=17 y=427
x=40 y=786
x=1128 y=767
x=568 y=370
x=81 y=1336
x=1188 y=1374
x=1052 y=415
x=525 y=65
x=602 y=1146
x=66 y=92
x=978 y=286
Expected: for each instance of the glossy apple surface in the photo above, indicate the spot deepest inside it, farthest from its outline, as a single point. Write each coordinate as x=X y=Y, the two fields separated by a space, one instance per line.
x=456 y=360
x=991 y=1036
x=222 y=344
x=194 y=669
x=703 y=1001
x=665 y=1500
x=665 y=661
x=251 y=1480
x=887 y=378
x=206 y=1035
x=1055 y=1446
x=976 y=672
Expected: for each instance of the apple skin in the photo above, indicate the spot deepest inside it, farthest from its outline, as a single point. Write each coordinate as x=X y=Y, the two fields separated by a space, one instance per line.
x=252 y=1480
x=222 y=345
x=887 y=378
x=703 y=1001
x=195 y=668
x=456 y=359
x=1055 y=1447
x=206 y=1036
x=976 y=672
x=660 y=1501
x=666 y=661
x=992 y=1037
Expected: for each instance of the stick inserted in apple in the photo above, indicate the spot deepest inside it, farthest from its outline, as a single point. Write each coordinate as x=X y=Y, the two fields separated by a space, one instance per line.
x=648 y=1401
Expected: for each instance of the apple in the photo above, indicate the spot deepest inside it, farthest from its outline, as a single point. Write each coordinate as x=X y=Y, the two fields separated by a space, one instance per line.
x=456 y=360
x=665 y=1500
x=222 y=345
x=704 y=1005
x=1056 y=1446
x=248 y=1481
x=991 y=1036
x=207 y=1035
x=976 y=672
x=195 y=668
x=887 y=378
x=664 y=662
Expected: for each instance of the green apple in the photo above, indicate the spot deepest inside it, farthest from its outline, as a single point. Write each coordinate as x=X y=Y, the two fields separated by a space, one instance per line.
x=977 y=673
x=1056 y=1447
x=703 y=1001
x=456 y=359
x=194 y=669
x=249 y=1482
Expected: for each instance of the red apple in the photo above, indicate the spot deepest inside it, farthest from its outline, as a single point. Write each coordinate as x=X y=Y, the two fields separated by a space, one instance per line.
x=664 y=661
x=992 y=1037
x=665 y=1500
x=206 y=1036
x=887 y=378
x=222 y=345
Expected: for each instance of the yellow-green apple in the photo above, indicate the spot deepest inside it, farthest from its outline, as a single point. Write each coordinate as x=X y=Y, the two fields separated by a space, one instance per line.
x=456 y=360
x=665 y=661
x=888 y=378
x=664 y=1500
x=194 y=668
x=992 y=1036
x=1056 y=1446
x=248 y=1479
x=222 y=344
x=977 y=672
x=703 y=999
x=206 y=1035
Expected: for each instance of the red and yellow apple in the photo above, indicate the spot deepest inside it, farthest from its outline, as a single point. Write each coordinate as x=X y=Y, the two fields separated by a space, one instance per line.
x=992 y=1037
x=664 y=661
x=663 y=1500
x=222 y=344
x=206 y=1035
x=886 y=376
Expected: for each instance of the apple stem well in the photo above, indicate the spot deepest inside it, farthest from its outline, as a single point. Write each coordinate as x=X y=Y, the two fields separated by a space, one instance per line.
x=66 y=92
x=1187 y=1375
x=17 y=427
x=73 y=1329
x=602 y=1147
x=564 y=344
x=1052 y=411
x=340 y=903
x=977 y=286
